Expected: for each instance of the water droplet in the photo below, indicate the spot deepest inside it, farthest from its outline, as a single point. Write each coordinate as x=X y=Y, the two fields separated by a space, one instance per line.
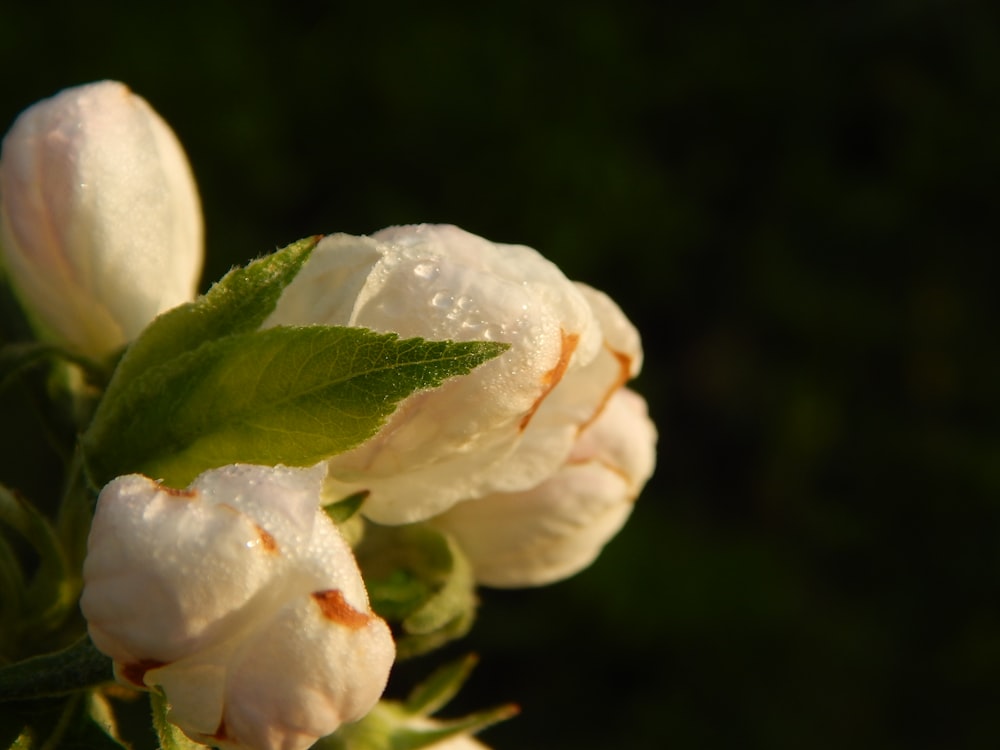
x=426 y=270
x=443 y=300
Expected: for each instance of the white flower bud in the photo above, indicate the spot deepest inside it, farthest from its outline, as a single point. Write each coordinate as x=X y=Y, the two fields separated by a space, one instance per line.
x=503 y=427
x=558 y=528
x=240 y=600
x=100 y=224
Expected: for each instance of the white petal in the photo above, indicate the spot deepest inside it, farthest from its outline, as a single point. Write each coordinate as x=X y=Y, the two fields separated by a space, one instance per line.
x=623 y=437
x=306 y=673
x=168 y=573
x=620 y=336
x=557 y=528
x=575 y=403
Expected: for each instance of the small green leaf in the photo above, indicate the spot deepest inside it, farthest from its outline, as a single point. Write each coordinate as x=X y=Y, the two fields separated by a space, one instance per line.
x=434 y=693
x=238 y=303
x=344 y=514
x=390 y=725
x=344 y=510
x=411 y=738
x=78 y=666
x=419 y=580
x=293 y=396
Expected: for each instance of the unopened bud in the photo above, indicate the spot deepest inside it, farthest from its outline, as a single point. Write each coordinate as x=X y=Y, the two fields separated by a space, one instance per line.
x=100 y=223
x=240 y=600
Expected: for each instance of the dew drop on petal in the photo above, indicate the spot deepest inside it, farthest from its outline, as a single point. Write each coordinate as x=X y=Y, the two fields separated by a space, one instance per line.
x=442 y=300
x=427 y=271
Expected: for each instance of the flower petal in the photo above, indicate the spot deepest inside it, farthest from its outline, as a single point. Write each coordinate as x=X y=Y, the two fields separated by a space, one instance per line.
x=556 y=529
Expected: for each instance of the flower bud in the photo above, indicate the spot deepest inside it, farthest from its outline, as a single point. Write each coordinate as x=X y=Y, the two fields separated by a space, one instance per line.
x=504 y=427
x=558 y=528
x=240 y=600
x=100 y=224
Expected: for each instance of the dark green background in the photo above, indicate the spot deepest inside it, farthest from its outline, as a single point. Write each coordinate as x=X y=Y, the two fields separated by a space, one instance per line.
x=795 y=202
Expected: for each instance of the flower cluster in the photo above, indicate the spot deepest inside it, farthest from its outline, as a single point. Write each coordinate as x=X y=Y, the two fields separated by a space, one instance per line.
x=455 y=393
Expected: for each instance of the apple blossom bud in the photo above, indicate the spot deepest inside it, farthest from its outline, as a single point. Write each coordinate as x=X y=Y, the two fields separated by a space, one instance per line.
x=459 y=440
x=100 y=223
x=558 y=528
x=240 y=600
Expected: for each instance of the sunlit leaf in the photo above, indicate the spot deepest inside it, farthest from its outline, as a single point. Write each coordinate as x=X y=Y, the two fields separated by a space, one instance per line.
x=284 y=395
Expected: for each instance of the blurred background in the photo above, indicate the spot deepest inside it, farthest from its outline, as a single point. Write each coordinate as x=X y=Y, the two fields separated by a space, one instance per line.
x=795 y=203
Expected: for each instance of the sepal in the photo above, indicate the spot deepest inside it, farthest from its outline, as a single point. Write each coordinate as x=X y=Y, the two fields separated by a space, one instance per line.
x=420 y=582
x=408 y=724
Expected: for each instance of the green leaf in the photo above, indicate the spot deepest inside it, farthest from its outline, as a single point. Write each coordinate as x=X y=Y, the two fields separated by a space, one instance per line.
x=419 y=580
x=52 y=591
x=293 y=396
x=410 y=738
x=344 y=514
x=238 y=303
x=434 y=693
x=78 y=666
x=389 y=725
x=169 y=734
x=344 y=510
